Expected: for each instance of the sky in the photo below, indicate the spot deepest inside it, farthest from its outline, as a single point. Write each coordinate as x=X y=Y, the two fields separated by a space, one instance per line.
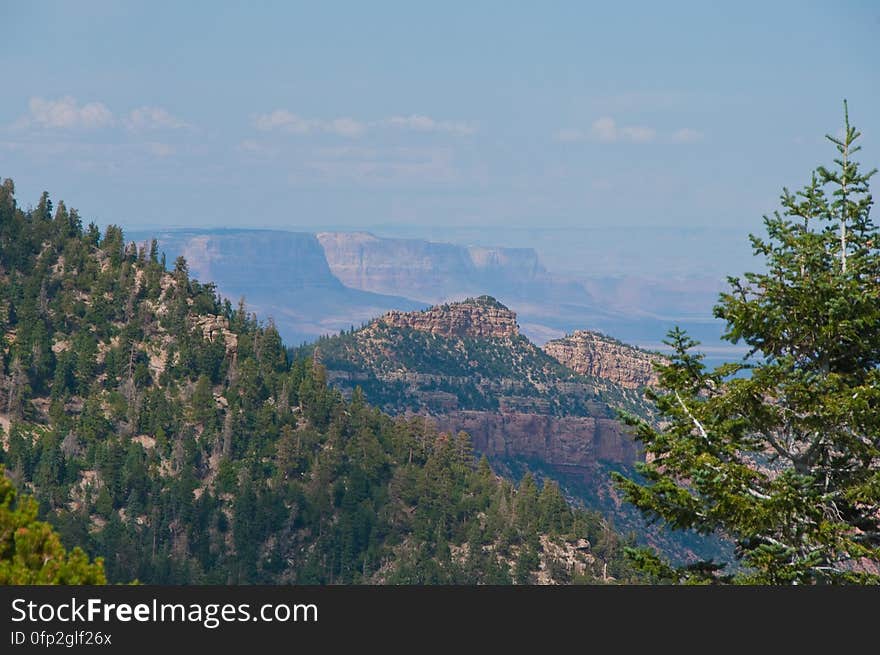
x=358 y=115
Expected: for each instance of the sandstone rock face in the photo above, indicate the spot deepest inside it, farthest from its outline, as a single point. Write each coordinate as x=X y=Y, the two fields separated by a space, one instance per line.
x=593 y=354
x=477 y=318
x=570 y=441
x=217 y=327
x=426 y=270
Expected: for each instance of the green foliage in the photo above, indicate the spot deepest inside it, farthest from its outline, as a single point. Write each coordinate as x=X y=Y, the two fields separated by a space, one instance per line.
x=173 y=436
x=783 y=458
x=468 y=373
x=31 y=552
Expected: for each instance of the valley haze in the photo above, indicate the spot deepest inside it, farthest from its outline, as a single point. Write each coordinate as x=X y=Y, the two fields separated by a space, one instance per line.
x=318 y=283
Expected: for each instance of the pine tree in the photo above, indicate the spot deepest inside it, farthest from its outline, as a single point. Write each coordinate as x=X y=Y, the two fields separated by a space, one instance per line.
x=781 y=453
x=31 y=552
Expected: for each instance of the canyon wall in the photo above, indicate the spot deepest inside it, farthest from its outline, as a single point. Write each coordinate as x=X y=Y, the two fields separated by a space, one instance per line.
x=426 y=270
x=576 y=441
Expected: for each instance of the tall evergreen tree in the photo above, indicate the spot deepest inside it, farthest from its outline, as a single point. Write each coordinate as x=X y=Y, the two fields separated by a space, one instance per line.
x=781 y=452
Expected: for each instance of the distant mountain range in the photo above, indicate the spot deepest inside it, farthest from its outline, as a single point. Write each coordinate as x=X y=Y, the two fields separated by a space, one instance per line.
x=314 y=284
x=282 y=275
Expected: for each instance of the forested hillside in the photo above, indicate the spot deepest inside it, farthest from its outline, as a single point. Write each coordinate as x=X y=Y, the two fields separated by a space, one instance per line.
x=171 y=433
x=466 y=355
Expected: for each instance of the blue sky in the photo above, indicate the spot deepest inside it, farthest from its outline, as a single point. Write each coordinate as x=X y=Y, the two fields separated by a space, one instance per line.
x=502 y=114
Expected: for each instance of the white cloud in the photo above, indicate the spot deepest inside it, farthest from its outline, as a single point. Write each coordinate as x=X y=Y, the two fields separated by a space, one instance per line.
x=65 y=113
x=570 y=135
x=421 y=123
x=343 y=127
x=638 y=134
x=605 y=129
x=152 y=118
x=283 y=120
x=286 y=121
x=686 y=135
x=159 y=149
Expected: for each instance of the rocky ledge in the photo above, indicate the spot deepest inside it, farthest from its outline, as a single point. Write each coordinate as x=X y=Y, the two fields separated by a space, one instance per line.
x=594 y=354
x=474 y=318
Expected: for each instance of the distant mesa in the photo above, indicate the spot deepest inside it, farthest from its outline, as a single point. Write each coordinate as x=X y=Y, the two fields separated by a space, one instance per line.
x=318 y=284
x=475 y=318
x=280 y=274
x=429 y=271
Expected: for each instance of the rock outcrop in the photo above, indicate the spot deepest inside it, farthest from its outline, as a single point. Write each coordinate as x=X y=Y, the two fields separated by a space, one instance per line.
x=217 y=328
x=558 y=441
x=474 y=318
x=595 y=355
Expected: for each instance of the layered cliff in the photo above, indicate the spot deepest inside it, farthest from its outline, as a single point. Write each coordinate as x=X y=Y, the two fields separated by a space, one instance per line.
x=466 y=355
x=475 y=318
x=427 y=270
x=596 y=355
x=572 y=443
x=281 y=274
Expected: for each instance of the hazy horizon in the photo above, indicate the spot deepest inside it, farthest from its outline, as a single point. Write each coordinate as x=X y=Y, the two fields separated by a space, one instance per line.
x=594 y=251
x=637 y=141
x=507 y=116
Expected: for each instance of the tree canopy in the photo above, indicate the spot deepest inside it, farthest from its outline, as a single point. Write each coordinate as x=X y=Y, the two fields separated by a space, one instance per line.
x=159 y=427
x=781 y=452
x=31 y=551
